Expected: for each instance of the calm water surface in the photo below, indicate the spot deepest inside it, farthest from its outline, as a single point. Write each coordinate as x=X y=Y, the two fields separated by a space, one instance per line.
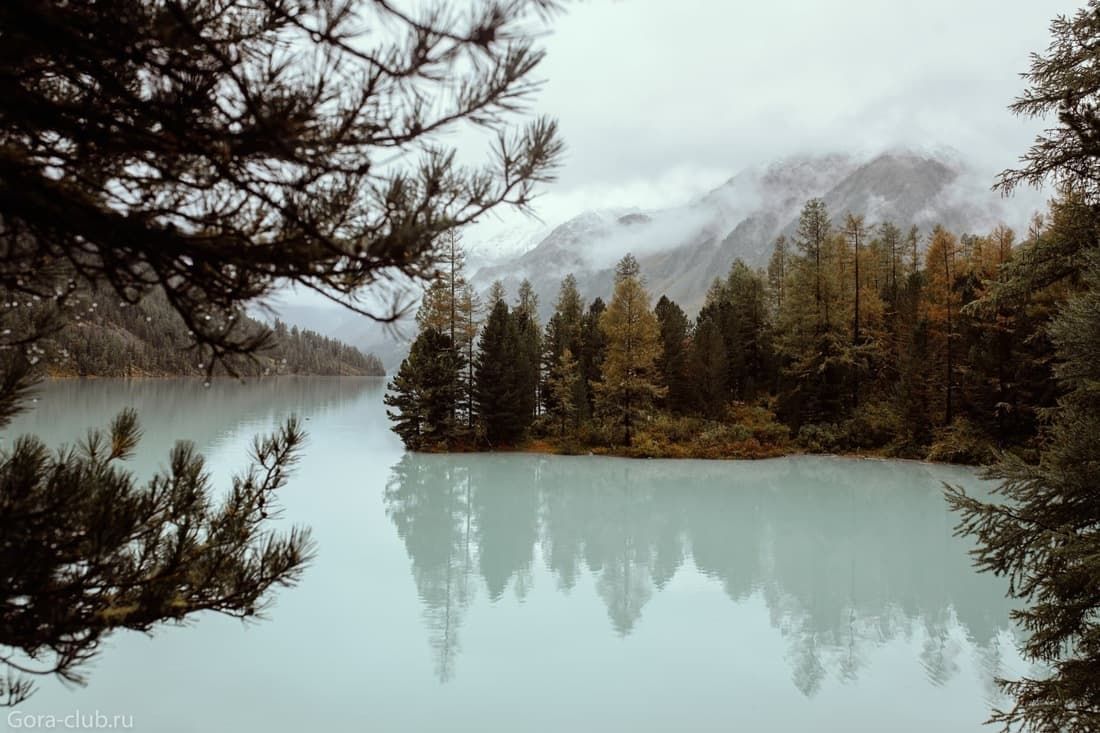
x=535 y=593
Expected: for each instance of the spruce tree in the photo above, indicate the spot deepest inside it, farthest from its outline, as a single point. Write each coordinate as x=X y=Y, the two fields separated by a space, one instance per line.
x=673 y=361
x=424 y=392
x=709 y=369
x=403 y=396
x=748 y=331
x=593 y=351
x=497 y=381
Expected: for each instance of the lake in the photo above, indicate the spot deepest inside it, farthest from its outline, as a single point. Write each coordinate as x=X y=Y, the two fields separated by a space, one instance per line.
x=515 y=592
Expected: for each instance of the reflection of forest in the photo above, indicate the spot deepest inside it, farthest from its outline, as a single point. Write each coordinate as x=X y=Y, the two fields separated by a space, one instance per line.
x=846 y=554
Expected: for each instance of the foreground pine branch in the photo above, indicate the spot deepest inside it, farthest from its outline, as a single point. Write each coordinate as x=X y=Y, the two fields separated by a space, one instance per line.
x=86 y=550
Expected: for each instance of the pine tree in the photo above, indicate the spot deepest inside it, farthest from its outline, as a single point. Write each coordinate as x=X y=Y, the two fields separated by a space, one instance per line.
x=75 y=584
x=1004 y=350
x=629 y=381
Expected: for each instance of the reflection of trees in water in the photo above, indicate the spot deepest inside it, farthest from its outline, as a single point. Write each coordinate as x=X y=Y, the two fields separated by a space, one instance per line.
x=431 y=505
x=506 y=508
x=941 y=649
x=847 y=555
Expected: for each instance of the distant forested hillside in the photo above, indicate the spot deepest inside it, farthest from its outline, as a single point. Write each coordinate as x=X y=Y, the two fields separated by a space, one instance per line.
x=149 y=339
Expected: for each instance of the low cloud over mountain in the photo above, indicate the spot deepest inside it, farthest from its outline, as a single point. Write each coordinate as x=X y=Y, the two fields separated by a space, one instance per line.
x=683 y=248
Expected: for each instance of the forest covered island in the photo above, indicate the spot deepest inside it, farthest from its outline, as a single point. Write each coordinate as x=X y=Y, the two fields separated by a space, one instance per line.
x=856 y=338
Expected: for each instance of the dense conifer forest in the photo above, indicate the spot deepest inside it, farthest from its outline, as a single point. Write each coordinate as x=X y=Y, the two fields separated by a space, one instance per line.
x=854 y=339
x=106 y=338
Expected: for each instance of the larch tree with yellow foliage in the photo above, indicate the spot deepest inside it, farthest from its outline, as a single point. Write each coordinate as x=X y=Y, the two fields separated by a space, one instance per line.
x=630 y=381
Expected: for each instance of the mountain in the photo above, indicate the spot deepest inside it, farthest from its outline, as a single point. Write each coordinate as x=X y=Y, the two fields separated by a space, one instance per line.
x=504 y=244
x=682 y=249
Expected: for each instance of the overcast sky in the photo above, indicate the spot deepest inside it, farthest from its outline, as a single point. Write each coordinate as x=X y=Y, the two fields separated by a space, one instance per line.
x=661 y=100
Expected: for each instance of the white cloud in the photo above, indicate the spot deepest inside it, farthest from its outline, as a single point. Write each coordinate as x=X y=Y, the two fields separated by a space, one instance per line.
x=658 y=101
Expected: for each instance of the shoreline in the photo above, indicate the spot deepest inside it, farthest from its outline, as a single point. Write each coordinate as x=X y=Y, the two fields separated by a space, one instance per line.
x=136 y=377
x=540 y=448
